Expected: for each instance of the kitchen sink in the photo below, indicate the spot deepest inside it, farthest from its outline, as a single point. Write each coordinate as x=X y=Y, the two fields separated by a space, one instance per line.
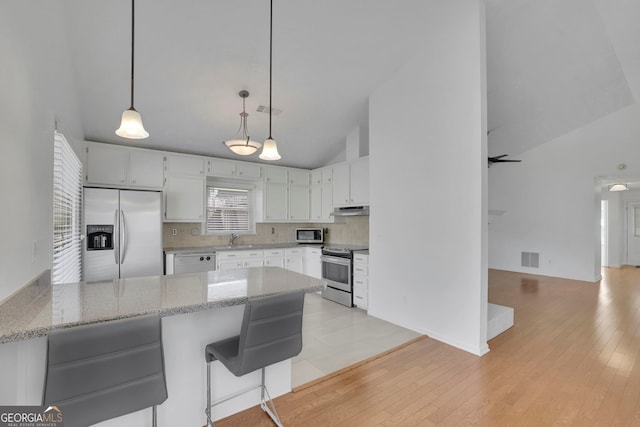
x=235 y=247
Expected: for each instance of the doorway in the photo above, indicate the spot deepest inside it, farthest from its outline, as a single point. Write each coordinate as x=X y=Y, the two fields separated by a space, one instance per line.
x=604 y=233
x=633 y=233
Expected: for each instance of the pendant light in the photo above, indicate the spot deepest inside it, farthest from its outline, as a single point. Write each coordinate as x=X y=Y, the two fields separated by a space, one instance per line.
x=131 y=125
x=243 y=145
x=270 y=150
x=619 y=187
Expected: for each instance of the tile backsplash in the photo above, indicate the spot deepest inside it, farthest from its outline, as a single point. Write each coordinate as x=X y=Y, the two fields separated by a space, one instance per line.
x=354 y=231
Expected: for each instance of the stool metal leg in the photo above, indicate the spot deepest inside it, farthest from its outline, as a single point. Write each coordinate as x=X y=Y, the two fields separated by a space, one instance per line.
x=265 y=407
x=154 y=416
x=207 y=411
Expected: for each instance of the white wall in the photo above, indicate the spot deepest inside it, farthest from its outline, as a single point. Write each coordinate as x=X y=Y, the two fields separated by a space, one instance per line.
x=36 y=86
x=427 y=140
x=552 y=202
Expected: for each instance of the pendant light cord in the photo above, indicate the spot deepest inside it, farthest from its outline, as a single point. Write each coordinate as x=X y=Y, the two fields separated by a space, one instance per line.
x=270 y=64
x=133 y=8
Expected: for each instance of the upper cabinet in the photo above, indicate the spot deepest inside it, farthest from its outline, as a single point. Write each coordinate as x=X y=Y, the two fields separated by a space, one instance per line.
x=351 y=183
x=321 y=201
x=179 y=164
x=286 y=194
x=123 y=167
x=230 y=169
x=184 y=188
x=146 y=169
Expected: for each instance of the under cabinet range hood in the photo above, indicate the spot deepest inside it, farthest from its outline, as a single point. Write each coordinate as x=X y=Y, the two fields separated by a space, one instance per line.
x=351 y=211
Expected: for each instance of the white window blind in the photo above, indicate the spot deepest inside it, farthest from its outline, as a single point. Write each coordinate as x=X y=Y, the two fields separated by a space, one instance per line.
x=229 y=210
x=67 y=211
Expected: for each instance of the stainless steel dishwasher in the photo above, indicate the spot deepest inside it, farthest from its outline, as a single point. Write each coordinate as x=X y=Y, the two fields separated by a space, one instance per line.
x=194 y=262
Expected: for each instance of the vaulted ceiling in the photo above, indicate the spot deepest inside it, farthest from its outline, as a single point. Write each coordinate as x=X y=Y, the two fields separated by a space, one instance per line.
x=552 y=66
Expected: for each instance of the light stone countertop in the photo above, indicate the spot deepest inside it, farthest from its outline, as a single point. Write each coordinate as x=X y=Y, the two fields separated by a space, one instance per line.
x=204 y=249
x=40 y=307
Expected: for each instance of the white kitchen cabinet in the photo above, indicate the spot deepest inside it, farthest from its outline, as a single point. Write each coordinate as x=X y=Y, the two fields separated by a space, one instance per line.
x=246 y=170
x=361 y=280
x=275 y=175
x=275 y=202
x=351 y=183
x=275 y=194
x=107 y=164
x=232 y=260
x=274 y=258
x=286 y=194
x=231 y=169
x=184 y=198
x=316 y=177
x=315 y=202
x=341 y=191
x=321 y=195
x=221 y=168
x=294 y=259
x=184 y=188
x=179 y=164
x=298 y=203
x=146 y=168
x=124 y=167
x=312 y=264
x=299 y=177
x=327 y=203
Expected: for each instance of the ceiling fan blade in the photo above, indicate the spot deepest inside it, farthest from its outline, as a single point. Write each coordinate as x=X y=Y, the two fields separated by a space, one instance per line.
x=499 y=159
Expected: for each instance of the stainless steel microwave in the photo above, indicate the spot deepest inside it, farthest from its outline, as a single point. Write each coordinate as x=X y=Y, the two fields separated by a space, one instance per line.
x=309 y=235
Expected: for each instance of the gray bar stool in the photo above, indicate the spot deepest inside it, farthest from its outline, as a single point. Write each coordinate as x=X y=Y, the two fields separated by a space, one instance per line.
x=271 y=332
x=101 y=371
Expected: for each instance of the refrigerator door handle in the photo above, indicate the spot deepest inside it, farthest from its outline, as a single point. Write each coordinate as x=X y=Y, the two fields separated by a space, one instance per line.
x=117 y=244
x=123 y=229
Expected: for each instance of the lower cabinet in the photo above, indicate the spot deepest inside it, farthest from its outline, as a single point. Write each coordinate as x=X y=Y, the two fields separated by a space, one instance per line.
x=361 y=281
x=294 y=259
x=274 y=258
x=312 y=263
x=232 y=260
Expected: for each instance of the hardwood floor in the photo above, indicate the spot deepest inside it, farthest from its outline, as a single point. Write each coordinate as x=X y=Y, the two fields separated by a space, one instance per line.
x=571 y=358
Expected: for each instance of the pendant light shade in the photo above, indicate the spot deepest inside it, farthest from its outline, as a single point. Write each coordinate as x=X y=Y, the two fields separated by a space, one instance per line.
x=131 y=126
x=270 y=149
x=619 y=187
x=243 y=145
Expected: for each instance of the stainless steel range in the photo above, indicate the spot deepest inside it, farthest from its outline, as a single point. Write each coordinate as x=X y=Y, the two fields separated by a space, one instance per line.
x=337 y=273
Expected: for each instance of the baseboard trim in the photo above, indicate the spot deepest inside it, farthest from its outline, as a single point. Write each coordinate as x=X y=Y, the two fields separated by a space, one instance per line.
x=355 y=365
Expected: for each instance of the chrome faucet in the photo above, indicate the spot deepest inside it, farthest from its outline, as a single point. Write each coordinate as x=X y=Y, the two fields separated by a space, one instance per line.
x=232 y=239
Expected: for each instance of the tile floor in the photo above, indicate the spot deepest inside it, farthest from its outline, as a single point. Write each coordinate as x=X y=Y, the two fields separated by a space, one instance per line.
x=335 y=337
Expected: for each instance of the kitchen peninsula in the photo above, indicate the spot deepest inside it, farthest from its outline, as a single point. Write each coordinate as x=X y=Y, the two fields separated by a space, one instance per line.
x=197 y=308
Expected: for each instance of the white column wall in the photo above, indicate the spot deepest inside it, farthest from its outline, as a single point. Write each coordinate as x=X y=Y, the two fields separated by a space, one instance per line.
x=36 y=88
x=427 y=138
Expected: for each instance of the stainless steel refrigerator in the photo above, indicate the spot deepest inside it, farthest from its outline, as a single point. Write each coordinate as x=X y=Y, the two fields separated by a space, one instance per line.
x=123 y=234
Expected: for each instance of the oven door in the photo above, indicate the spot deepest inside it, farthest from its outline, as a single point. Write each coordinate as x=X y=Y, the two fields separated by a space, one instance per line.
x=338 y=271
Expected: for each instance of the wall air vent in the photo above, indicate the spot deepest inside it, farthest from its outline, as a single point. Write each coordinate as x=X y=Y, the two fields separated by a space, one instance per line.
x=265 y=109
x=530 y=259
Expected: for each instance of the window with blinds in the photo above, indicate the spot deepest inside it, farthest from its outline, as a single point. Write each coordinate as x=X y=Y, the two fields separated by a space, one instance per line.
x=229 y=210
x=67 y=213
